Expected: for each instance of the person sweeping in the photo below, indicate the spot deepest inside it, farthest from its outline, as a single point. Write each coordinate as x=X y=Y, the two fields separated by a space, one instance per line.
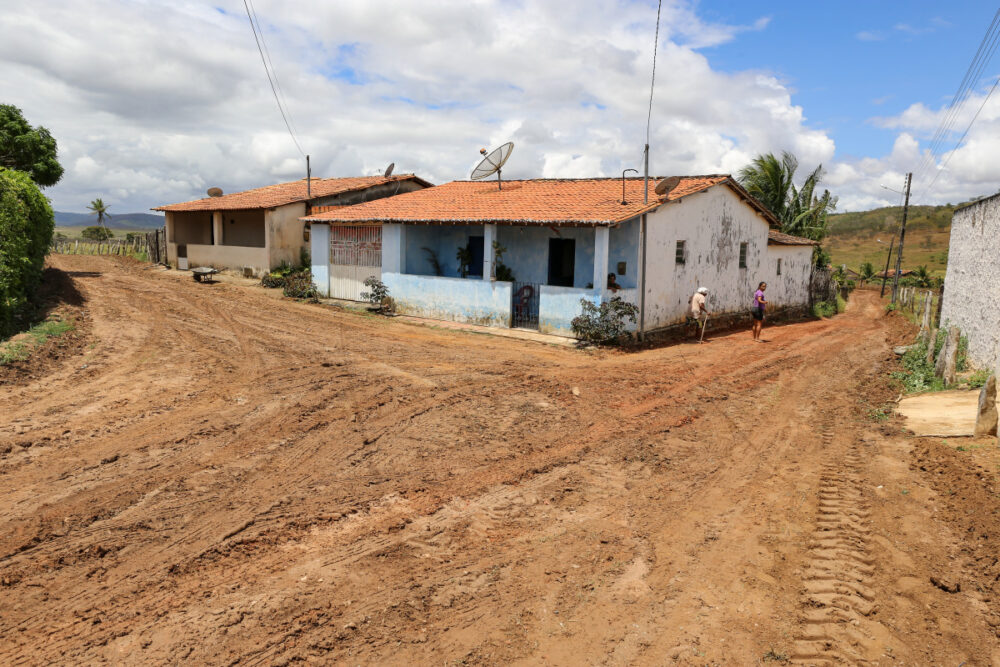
x=757 y=311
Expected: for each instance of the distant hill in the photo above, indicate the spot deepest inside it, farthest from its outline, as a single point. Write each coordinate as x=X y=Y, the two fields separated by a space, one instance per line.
x=854 y=237
x=116 y=221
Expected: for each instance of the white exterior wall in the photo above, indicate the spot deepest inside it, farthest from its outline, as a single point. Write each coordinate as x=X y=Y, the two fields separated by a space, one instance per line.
x=713 y=223
x=972 y=283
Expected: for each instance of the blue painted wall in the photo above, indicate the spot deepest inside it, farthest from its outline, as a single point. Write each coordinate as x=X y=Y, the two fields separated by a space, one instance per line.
x=623 y=246
x=476 y=301
x=557 y=306
x=445 y=240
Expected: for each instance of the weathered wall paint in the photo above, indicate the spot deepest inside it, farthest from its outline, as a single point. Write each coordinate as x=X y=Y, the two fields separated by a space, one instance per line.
x=319 y=241
x=284 y=237
x=713 y=224
x=972 y=283
x=484 y=302
x=557 y=306
x=243 y=228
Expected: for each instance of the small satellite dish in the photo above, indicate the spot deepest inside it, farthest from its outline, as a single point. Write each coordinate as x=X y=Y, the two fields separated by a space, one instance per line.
x=388 y=170
x=492 y=163
x=667 y=184
x=215 y=192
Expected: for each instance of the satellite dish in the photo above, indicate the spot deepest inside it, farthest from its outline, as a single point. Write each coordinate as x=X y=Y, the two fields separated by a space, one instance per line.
x=215 y=192
x=667 y=184
x=492 y=163
x=388 y=170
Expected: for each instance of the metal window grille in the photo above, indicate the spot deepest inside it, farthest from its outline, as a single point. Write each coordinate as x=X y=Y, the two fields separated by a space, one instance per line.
x=679 y=256
x=743 y=255
x=356 y=246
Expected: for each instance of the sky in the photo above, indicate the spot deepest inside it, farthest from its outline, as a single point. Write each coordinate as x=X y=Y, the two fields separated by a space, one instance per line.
x=153 y=102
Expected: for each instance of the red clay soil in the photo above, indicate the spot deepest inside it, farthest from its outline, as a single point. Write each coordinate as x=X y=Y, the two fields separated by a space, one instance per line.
x=219 y=477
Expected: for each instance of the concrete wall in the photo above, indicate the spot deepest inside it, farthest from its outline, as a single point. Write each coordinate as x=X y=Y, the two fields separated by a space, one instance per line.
x=284 y=234
x=319 y=240
x=228 y=257
x=243 y=228
x=484 y=302
x=190 y=227
x=791 y=288
x=972 y=283
x=714 y=223
x=557 y=306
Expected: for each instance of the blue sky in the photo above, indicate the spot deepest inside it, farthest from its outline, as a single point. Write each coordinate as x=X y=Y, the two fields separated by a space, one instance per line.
x=173 y=98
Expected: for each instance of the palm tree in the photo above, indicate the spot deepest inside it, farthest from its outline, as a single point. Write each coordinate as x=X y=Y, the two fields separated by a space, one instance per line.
x=100 y=209
x=922 y=277
x=801 y=211
x=867 y=271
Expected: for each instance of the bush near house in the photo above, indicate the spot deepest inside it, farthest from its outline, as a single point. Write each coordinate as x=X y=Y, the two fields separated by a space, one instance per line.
x=26 y=226
x=378 y=296
x=605 y=324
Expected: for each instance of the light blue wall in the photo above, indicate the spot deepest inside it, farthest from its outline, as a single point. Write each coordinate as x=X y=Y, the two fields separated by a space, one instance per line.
x=624 y=247
x=557 y=306
x=319 y=240
x=528 y=252
x=484 y=302
x=445 y=240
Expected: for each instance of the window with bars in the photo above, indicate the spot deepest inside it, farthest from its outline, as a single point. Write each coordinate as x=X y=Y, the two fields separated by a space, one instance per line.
x=743 y=255
x=679 y=256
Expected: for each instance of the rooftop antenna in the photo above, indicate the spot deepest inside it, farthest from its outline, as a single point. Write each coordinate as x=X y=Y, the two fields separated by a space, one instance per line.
x=388 y=170
x=491 y=164
x=623 y=184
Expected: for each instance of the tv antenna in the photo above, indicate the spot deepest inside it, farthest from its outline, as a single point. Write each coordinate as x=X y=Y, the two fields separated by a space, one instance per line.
x=388 y=170
x=491 y=164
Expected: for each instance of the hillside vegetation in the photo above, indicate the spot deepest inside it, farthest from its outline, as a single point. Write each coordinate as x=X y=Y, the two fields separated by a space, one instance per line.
x=853 y=237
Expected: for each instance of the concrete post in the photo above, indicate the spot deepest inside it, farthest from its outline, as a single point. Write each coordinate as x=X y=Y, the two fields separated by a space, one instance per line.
x=945 y=366
x=217 y=227
x=601 y=236
x=319 y=247
x=489 y=254
x=925 y=323
x=393 y=248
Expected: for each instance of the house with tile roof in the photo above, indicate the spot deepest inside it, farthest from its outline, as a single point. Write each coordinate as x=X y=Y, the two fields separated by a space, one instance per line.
x=526 y=253
x=255 y=231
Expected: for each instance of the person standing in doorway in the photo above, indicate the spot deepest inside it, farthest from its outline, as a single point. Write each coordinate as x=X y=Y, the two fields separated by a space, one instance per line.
x=759 y=306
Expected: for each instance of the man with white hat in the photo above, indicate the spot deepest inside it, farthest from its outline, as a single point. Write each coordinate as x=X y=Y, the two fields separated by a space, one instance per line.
x=698 y=311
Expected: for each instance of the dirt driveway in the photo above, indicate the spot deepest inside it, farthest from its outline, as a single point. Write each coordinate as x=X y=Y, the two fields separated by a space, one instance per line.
x=221 y=477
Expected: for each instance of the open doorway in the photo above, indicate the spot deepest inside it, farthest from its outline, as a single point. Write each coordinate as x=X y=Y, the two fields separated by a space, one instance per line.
x=562 y=262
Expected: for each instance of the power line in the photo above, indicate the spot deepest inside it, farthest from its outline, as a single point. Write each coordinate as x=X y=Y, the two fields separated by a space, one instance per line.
x=274 y=72
x=652 y=81
x=270 y=80
x=962 y=138
x=987 y=47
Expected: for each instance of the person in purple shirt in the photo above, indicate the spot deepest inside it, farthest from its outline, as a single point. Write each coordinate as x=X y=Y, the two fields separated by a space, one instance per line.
x=759 y=305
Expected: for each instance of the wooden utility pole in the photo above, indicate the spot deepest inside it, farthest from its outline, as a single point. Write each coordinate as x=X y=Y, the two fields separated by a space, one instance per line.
x=885 y=274
x=902 y=235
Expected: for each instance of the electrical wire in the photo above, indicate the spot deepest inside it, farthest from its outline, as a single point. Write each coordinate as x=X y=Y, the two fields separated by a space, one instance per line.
x=270 y=80
x=652 y=81
x=274 y=72
x=961 y=139
x=987 y=47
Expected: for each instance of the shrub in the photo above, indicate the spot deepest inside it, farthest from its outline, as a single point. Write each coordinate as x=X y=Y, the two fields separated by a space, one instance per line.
x=825 y=308
x=605 y=324
x=378 y=295
x=97 y=233
x=917 y=374
x=978 y=379
x=273 y=280
x=26 y=225
x=299 y=285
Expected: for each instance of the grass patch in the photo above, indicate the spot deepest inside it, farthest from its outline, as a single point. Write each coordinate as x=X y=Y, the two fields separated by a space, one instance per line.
x=37 y=336
x=978 y=379
x=825 y=309
x=917 y=375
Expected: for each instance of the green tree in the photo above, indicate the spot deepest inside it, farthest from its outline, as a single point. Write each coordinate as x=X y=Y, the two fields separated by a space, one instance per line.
x=26 y=148
x=26 y=225
x=801 y=211
x=867 y=271
x=95 y=233
x=100 y=209
x=921 y=277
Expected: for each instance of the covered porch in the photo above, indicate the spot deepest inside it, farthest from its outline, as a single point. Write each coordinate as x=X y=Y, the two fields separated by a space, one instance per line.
x=508 y=275
x=221 y=239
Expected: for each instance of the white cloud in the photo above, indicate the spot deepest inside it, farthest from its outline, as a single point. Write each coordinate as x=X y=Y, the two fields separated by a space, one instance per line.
x=153 y=101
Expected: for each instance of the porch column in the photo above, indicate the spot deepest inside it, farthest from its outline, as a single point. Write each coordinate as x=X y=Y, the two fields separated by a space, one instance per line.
x=217 y=227
x=393 y=248
x=319 y=246
x=489 y=255
x=601 y=235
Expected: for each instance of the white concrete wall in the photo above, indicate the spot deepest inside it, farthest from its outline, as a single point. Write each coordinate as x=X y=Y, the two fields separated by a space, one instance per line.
x=284 y=239
x=319 y=238
x=713 y=223
x=972 y=283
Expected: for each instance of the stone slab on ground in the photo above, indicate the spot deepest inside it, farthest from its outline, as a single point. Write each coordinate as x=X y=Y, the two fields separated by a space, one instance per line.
x=942 y=413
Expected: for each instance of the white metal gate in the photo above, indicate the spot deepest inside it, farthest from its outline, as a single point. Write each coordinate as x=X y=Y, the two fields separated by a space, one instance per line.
x=355 y=254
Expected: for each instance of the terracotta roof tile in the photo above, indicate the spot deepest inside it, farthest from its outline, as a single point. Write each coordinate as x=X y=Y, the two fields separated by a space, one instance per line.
x=272 y=196
x=595 y=201
x=777 y=238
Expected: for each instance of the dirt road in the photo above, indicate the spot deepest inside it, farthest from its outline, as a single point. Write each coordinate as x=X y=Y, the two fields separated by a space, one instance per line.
x=222 y=477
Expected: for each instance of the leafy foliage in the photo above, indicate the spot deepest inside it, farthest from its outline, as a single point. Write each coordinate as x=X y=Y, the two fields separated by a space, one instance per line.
x=502 y=271
x=978 y=379
x=299 y=285
x=273 y=280
x=824 y=309
x=917 y=373
x=378 y=295
x=603 y=324
x=95 y=233
x=26 y=148
x=432 y=259
x=801 y=211
x=464 y=257
x=26 y=225
x=867 y=271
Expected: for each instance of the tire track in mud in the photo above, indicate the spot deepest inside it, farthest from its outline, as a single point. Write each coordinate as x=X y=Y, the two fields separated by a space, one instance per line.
x=837 y=595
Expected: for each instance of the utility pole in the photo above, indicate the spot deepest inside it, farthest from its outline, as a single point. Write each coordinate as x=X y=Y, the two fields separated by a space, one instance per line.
x=642 y=243
x=885 y=274
x=308 y=179
x=902 y=235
